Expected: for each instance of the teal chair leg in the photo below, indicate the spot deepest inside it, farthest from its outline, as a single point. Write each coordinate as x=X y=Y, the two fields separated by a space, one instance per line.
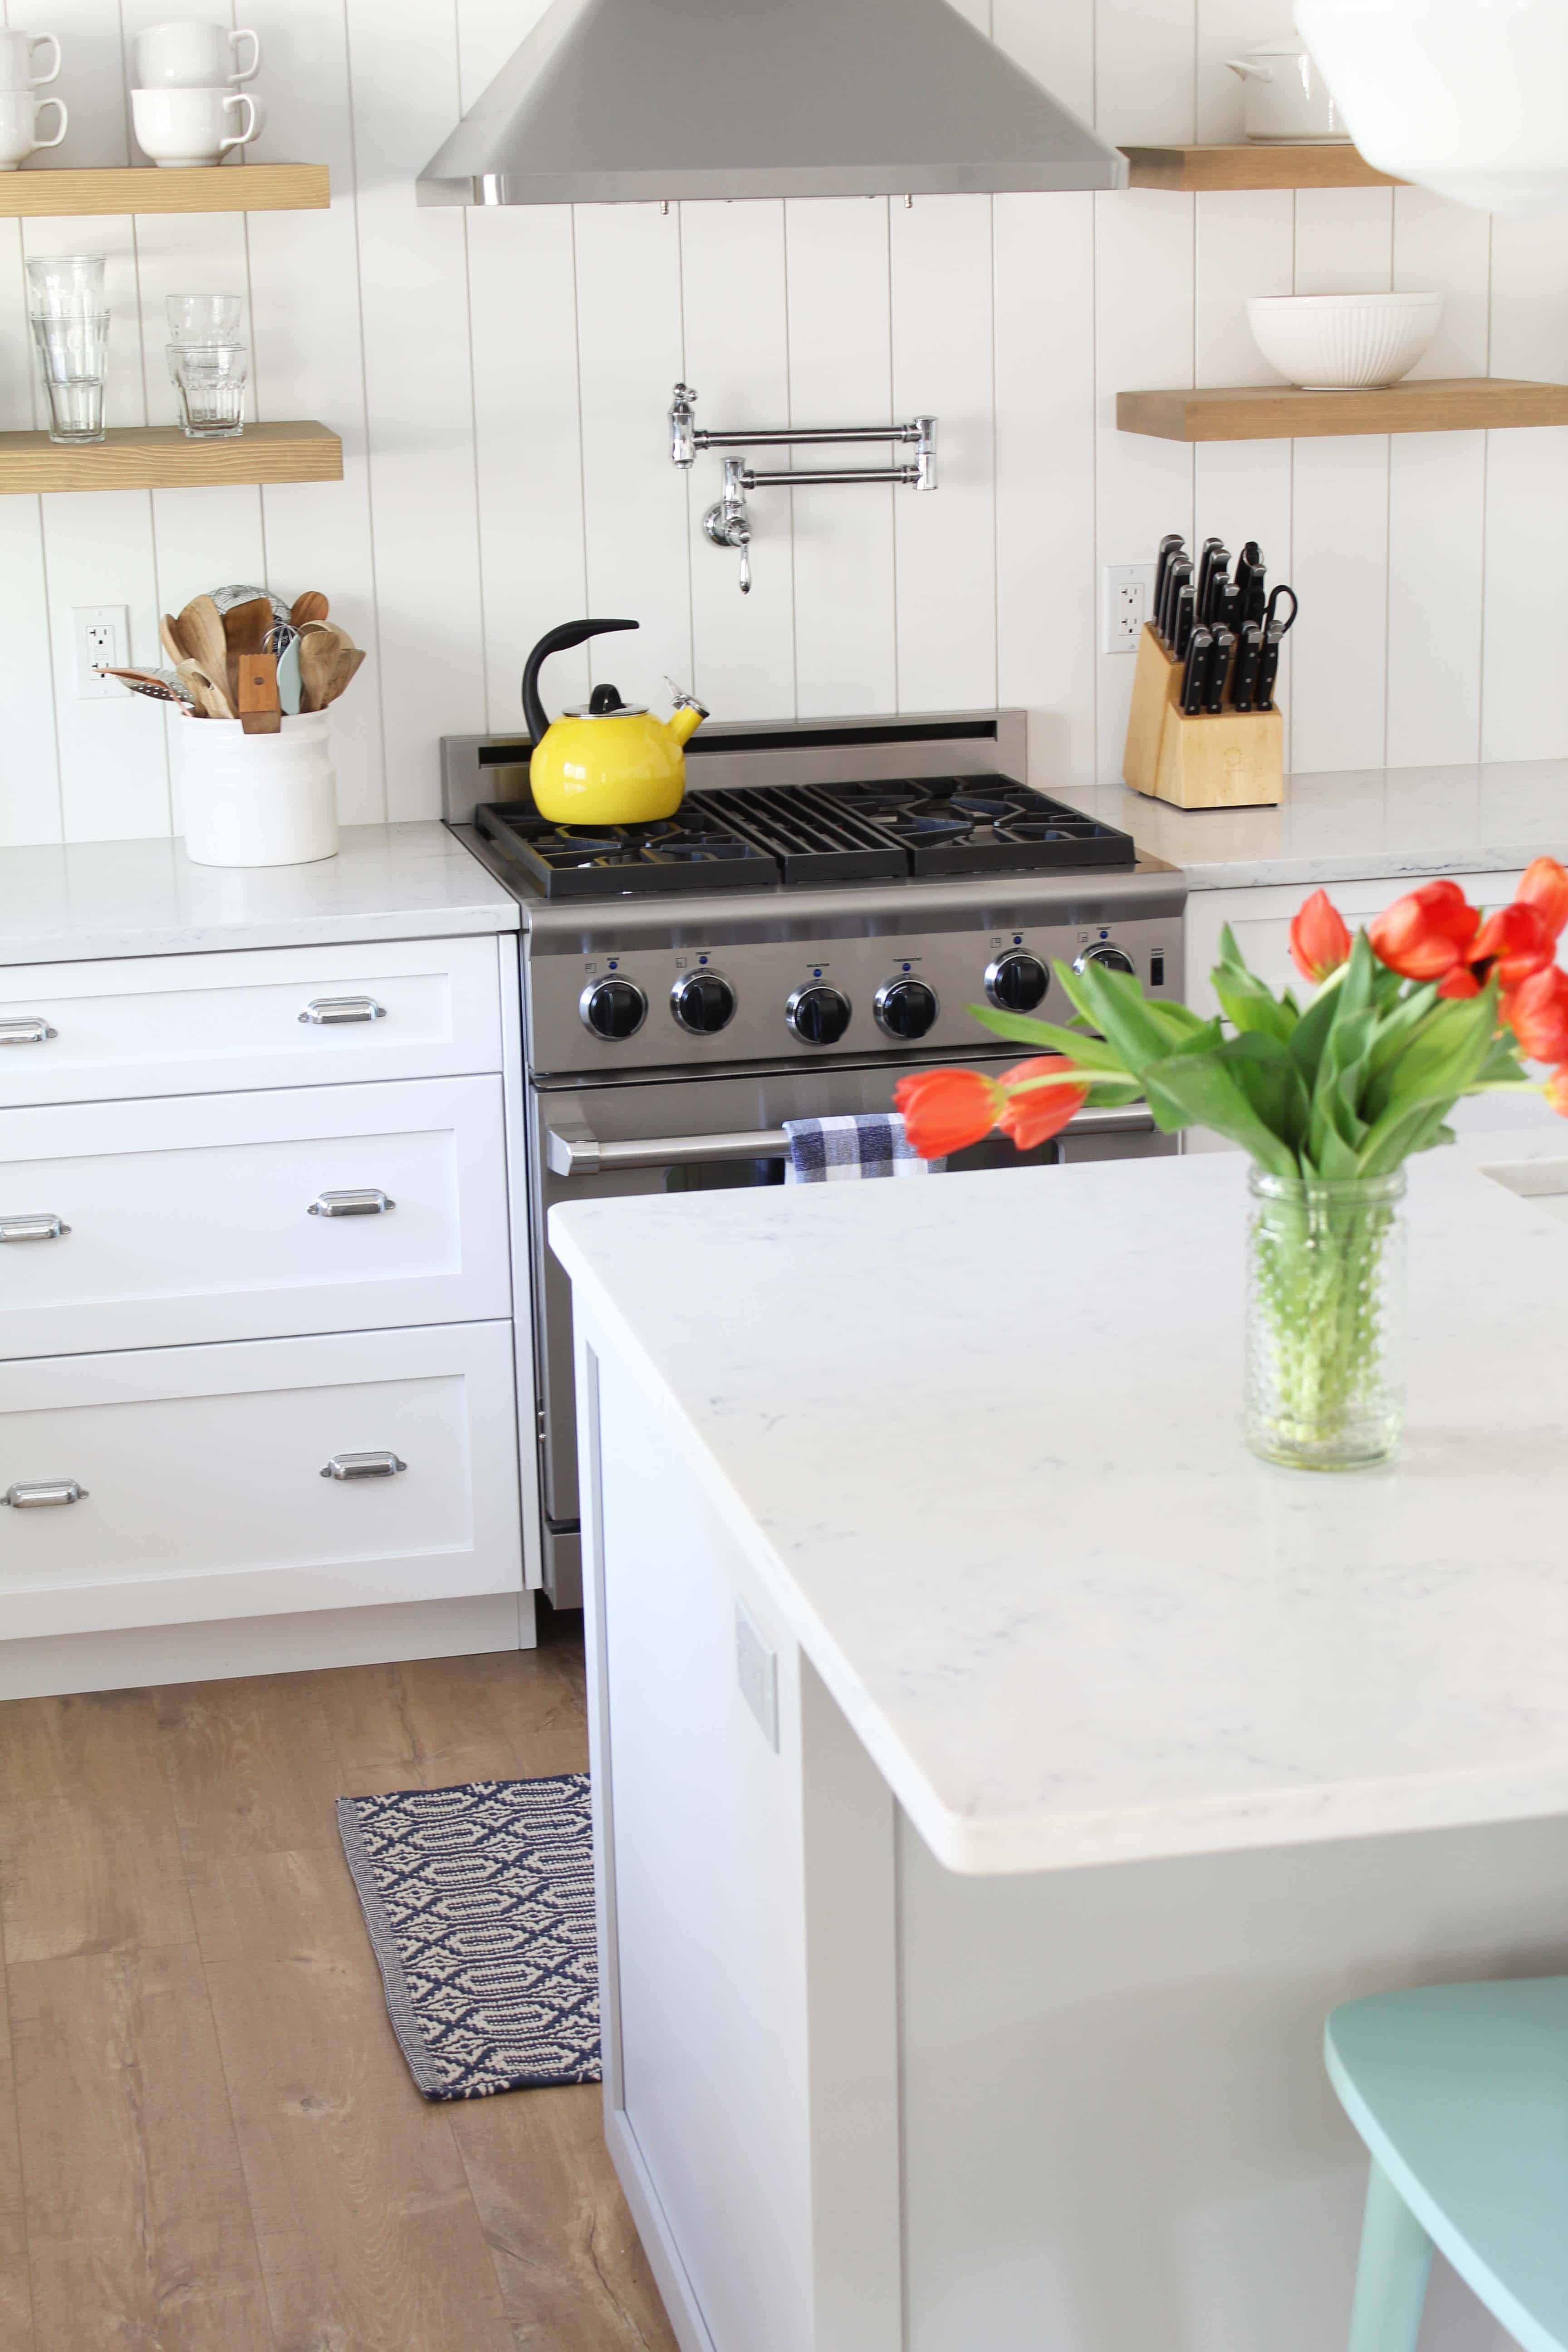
x=1392 y=2275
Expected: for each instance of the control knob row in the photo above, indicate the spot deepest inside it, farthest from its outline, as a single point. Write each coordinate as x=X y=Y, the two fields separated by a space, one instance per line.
x=704 y=1002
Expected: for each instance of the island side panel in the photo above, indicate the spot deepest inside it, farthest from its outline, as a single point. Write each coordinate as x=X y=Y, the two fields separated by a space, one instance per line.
x=746 y=1924
x=1118 y=2129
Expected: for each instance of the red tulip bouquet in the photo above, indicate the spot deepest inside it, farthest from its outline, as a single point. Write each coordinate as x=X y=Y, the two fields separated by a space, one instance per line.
x=1430 y=1003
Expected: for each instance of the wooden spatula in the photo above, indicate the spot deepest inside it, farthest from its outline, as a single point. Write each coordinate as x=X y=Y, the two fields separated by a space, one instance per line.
x=246 y=626
x=259 y=712
x=319 y=652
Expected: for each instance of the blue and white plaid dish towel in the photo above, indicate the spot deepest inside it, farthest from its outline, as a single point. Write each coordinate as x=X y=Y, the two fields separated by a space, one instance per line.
x=844 y=1150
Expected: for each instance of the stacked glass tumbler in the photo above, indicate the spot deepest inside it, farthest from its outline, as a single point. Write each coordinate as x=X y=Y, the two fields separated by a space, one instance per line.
x=208 y=364
x=69 y=315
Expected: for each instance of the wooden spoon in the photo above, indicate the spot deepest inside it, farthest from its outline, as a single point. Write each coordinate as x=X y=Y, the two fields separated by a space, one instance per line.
x=311 y=606
x=210 y=697
x=174 y=640
x=347 y=666
x=200 y=629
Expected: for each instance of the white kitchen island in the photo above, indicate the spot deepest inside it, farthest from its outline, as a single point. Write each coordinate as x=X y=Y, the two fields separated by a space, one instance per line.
x=1000 y=1773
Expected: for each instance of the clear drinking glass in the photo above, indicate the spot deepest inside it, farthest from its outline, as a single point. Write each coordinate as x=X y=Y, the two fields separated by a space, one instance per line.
x=1325 y=1320
x=210 y=379
x=205 y=318
x=70 y=333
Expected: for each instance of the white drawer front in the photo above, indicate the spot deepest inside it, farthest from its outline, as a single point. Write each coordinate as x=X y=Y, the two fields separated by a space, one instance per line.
x=202 y=1487
x=206 y=1024
x=232 y=1216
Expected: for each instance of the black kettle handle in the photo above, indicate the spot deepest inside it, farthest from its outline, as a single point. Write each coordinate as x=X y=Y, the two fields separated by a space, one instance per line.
x=556 y=641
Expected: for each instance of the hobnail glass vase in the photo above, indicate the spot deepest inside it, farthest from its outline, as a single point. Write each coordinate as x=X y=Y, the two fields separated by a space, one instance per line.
x=1325 y=1320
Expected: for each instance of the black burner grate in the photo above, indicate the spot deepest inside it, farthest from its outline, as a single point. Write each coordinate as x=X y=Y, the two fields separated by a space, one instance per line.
x=757 y=837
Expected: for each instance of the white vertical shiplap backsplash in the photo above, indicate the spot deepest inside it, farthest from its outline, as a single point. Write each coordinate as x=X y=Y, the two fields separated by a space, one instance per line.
x=500 y=381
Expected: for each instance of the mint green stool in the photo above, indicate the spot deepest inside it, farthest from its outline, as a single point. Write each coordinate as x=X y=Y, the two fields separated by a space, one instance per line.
x=1460 y=2092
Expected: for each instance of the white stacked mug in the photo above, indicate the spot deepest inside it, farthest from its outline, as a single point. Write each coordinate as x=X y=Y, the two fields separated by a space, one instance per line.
x=186 y=104
x=20 y=105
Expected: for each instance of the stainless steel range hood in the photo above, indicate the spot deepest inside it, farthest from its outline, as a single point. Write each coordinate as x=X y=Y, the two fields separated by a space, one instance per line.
x=617 y=101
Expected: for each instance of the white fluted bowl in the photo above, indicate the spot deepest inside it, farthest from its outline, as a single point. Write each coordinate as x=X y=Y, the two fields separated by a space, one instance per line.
x=1344 y=343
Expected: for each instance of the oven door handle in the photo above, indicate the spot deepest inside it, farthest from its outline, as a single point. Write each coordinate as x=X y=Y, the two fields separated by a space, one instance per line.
x=572 y=1150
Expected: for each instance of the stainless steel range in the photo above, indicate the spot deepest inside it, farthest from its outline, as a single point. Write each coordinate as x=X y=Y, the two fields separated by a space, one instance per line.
x=814 y=923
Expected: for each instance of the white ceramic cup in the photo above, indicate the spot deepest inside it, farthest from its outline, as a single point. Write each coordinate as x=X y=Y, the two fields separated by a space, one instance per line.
x=1286 y=96
x=257 y=800
x=192 y=56
x=180 y=127
x=17 y=62
x=19 y=111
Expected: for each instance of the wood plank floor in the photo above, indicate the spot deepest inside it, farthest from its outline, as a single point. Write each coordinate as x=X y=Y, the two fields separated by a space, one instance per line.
x=208 y=2138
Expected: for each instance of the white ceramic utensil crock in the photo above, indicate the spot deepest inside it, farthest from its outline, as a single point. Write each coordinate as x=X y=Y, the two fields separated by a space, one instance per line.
x=1286 y=97
x=257 y=800
x=1466 y=97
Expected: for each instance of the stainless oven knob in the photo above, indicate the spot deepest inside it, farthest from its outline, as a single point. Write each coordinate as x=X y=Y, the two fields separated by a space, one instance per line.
x=1114 y=959
x=817 y=1014
x=1016 y=982
x=613 y=1008
x=704 y=1002
x=905 y=1008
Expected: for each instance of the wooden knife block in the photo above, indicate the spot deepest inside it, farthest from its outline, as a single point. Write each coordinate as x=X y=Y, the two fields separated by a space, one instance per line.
x=1222 y=758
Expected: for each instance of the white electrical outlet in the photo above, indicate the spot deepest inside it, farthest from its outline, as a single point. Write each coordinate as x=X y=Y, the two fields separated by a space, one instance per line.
x=1129 y=588
x=103 y=637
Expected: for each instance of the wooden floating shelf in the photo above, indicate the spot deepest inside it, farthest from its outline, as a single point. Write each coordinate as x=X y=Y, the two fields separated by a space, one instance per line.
x=1279 y=411
x=148 y=188
x=1331 y=163
x=160 y=457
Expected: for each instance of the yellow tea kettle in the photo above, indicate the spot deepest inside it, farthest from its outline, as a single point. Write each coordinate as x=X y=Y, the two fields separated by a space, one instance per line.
x=606 y=761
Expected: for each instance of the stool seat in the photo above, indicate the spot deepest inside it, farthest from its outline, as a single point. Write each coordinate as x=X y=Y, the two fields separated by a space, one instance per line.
x=1460 y=2092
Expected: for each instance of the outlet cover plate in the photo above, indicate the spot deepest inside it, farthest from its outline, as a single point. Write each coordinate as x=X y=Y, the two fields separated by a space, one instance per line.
x=1129 y=596
x=100 y=633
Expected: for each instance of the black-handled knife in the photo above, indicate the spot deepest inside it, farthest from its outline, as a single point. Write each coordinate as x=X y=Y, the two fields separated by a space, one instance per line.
x=1220 y=668
x=1269 y=666
x=1178 y=573
x=1194 y=678
x=1248 y=654
x=1212 y=557
x=1186 y=615
x=1251 y=576
x=1170 y=545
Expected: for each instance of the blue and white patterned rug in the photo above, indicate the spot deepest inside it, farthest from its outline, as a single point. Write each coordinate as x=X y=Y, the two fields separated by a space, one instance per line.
x=480 y=1903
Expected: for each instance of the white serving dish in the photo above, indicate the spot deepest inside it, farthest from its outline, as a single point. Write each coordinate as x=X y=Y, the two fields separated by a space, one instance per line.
x=1344 y=343
x=1285 y=97
x=1466 y=97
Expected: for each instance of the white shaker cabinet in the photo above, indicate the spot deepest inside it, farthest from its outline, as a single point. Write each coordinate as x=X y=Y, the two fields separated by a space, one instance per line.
x=258 y=1323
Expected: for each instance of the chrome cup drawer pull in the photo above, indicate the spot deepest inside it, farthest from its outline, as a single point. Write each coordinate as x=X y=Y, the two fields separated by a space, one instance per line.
x=364 y=1466
x=43 y=1495
x=368 y=1203
x=45 y=1227
x=32 y=1031
x=332 y=1011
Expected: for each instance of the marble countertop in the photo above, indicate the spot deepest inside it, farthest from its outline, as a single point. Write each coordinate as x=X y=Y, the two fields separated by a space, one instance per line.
x=981 y=1437
x=145 y=897
x=1359 y=827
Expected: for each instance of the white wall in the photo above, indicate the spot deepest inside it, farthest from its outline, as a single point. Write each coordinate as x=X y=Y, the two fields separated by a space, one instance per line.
x=501 y=382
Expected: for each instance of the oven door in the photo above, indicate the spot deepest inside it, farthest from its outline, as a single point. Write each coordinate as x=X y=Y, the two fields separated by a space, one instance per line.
x=700 y=1135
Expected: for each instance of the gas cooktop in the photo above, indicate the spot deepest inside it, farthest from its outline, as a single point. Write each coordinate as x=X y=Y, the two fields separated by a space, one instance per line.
x=764 y=838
